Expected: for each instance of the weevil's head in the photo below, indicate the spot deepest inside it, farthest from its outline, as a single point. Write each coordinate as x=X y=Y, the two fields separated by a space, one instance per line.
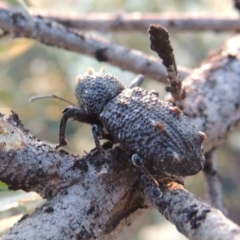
x=95 y=89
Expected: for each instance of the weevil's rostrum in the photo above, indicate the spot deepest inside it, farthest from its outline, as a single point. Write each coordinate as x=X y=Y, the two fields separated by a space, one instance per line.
x=137 y=119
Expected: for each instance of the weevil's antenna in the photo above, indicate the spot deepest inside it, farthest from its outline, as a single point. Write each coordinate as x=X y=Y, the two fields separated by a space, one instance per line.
x=34 y=98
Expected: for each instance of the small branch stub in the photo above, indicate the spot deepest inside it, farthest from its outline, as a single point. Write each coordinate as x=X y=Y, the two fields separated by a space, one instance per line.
x=161 y=44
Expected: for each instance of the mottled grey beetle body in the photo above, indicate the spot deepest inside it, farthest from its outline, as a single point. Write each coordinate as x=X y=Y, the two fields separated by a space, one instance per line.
x=156 y=130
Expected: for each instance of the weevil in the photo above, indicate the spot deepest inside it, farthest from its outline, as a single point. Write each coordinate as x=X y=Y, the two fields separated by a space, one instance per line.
x=154 y=131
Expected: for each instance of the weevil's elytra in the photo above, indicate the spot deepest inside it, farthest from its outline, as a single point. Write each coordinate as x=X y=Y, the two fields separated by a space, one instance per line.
x=155 y=130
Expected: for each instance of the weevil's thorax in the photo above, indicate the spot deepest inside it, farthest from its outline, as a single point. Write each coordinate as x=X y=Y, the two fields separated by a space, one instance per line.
x=95 y=89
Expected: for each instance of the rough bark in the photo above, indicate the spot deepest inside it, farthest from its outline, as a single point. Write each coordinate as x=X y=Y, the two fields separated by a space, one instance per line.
x=213 y=102
x=86 y=201
x=191 y=216
x=83 y=202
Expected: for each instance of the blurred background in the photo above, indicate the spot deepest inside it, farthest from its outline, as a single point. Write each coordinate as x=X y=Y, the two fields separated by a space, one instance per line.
x=28 y=68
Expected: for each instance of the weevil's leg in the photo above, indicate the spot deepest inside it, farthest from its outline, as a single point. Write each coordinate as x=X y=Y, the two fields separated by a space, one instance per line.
x=98 y=134
x=138 y=162
x=153 y=92
x=97 y=128
x=107 y=145
x=74 y=113
x=136 y=82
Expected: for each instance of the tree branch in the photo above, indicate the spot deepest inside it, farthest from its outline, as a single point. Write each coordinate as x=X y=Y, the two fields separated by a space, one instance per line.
x=53 y=34
x=136 y=21
x=95 y=205
x=139 y=22
x=211 y=96
x=92 y=203
x=214 y=186
x=191 y=216
x=129 y=22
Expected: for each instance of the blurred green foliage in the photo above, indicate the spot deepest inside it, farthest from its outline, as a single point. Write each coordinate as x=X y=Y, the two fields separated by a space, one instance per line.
x=3 y=186
x=28 y=68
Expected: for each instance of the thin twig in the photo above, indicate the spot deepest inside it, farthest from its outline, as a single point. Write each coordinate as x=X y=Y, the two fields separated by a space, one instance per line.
x=136 y=21
x=214 y=185
x=129 y=22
